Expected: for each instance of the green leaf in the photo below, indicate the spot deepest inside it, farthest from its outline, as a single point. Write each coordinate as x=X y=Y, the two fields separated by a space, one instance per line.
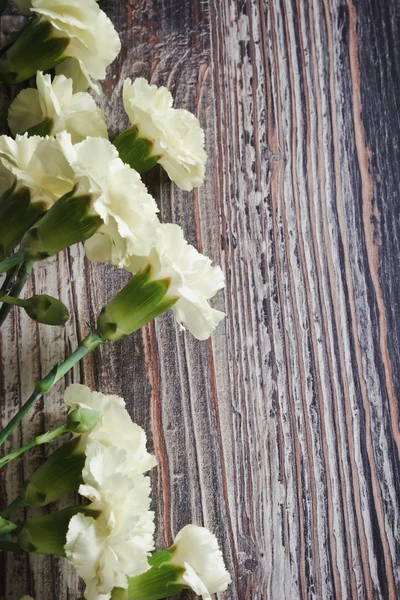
x=135 y=151
x=35 y=49
x=67 y=222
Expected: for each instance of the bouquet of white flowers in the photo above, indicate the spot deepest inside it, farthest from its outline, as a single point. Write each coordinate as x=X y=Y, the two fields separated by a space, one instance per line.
x=62 y=182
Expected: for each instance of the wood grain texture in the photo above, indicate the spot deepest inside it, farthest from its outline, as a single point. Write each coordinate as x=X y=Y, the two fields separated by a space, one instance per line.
x=281 y=434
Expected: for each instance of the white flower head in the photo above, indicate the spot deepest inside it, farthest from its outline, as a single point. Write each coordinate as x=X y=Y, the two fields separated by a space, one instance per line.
x=93 y=40
x=26 y=598
x=194 y=280
x=115 y=545
x=176 y=133
x=196 y=550
x=77 y=113
x=120 y=198
x=37 y=163
x=114 y=427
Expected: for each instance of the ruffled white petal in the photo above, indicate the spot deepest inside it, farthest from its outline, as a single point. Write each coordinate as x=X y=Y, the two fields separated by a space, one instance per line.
x=107 y=549
x=197 y=550
x=38 y=163
x=176 y=133
x=120 y=198
x=94 y=42
x=77 y=114
x=114 y=427
x=193 y=279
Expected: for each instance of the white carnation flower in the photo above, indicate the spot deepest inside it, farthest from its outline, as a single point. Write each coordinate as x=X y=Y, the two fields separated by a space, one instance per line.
x=37 y=163
x=114 y=427
x=115 y=545
x=176 y=133
x=196 y=550
x=120 y=199
x=193 y=279
x=77 y=114
x=94 y=43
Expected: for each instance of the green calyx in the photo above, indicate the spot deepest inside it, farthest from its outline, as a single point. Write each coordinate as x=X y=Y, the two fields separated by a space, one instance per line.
x=135 y=151
x=17 y=215
x=47 y=534
x=41 y=535
x=139 y=302
x=82 y=420
x=160 y=581
x=57 y=477
x=68 y=221
x=8 y=536
x=41 y=129
x=36 y=48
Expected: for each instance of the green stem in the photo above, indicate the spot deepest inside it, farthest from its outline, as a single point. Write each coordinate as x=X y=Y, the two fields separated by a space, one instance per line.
x=23 y=274
x=9 y=278
x=11 y=262
x=39 y=440
x=13 y=507
x=13 y=301
x=90 y=342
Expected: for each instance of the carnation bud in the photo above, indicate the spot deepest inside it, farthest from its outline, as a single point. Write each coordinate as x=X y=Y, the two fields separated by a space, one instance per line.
x=35 y=49
x=69 y=220
x=139 y=302
x=46 y=309
x=82 y=420
x=136 y=151
x=17 y=214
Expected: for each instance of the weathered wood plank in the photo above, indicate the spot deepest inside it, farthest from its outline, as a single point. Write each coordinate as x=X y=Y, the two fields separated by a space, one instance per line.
x=281 y=433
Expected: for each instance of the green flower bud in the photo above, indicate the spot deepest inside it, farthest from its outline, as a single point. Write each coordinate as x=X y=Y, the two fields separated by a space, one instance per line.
x=17 y=215
x=139 y=302
x=47 y=310
x=82 y=420
x=136 y=151
x=57 y=477
x=36 y=48
x=68 y=221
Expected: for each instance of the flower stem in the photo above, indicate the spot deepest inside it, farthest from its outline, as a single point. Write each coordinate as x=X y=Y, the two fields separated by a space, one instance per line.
x=9 y=278
x=23 y=274
x=10 y=262
x=13 y=301
x=40 y=439
x=90 y=342
x=14 y=506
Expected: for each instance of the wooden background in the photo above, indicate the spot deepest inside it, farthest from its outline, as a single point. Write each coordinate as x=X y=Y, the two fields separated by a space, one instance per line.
x=281 y=434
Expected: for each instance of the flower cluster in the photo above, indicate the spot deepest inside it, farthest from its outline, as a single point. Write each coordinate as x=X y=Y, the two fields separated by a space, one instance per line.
x=64 y=181
x=116 y=544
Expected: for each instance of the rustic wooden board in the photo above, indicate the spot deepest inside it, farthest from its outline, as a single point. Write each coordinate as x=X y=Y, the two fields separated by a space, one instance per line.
x=282 y=433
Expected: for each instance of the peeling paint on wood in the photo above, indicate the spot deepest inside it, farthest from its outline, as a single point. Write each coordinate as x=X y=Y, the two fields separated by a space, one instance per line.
x=282 y=433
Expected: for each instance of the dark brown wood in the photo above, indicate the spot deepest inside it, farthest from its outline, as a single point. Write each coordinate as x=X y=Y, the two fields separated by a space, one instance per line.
x=281 y=434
